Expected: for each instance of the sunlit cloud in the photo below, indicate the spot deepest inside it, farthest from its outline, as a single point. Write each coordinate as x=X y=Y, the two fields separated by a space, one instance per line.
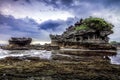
x=37 y=11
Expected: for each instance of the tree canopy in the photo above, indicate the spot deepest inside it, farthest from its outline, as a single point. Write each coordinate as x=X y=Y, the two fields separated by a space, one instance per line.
x=95 y=23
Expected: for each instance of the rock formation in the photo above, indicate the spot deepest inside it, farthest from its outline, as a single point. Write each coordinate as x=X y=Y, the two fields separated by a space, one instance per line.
x=85 y=32
x=20 y=41
x=24 y=44
x=18 y=44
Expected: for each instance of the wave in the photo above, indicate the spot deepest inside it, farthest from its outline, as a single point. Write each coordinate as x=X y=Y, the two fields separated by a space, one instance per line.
x=43 y=54
x=115 y=59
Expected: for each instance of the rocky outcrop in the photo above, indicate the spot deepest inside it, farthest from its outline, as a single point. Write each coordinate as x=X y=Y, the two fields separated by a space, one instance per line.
x=18 y=42
x=87 y=32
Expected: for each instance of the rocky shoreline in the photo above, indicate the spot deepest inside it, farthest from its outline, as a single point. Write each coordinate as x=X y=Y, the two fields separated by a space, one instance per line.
x=62 y=66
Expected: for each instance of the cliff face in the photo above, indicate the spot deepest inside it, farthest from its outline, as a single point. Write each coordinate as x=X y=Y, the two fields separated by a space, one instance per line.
x=87 y=31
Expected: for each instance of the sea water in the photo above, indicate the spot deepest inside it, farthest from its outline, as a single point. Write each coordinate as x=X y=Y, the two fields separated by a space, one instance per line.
x=116 y=58
x=43 y=54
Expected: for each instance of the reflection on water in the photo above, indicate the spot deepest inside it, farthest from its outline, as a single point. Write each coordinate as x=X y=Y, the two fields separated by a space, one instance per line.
x=62 y=55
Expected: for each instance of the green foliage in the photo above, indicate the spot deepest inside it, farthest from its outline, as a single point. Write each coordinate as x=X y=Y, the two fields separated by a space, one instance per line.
x=82 y=27
x=98 y=24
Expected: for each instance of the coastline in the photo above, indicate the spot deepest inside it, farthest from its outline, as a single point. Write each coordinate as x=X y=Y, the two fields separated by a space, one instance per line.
x=59 y=68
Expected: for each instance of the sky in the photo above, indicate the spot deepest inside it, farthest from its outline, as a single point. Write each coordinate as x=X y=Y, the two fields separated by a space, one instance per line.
x=39 y=18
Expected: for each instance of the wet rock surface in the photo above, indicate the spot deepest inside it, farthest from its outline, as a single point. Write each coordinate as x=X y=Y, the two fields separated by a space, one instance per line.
x=60 y=66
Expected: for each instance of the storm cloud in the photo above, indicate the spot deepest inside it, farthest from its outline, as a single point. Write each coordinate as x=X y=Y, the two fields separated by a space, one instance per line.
x=39 y=18
x=26 y=27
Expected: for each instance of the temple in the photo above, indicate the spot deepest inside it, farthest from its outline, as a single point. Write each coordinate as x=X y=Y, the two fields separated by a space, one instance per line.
x=83 y=34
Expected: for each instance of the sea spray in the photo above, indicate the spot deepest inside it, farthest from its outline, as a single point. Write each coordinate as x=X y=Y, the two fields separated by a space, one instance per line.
x=3 y=53
x=115 y=59
x=42 y=54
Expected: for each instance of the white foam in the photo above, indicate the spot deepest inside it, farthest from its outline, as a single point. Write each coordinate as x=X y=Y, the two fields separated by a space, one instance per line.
x=115 y=59
x=26 y=53
x=3 y=53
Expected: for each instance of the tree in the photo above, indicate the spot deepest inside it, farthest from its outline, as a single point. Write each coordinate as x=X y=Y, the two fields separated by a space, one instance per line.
x=97 y=24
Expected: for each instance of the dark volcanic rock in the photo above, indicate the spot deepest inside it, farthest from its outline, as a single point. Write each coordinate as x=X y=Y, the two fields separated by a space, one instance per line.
x=19 y=41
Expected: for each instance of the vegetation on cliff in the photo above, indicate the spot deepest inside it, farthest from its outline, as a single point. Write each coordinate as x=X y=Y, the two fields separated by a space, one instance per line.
x=94 y=23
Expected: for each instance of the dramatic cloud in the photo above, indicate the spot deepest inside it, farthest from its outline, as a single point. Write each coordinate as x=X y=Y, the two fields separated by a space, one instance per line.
x=39 y=18
x=55 y=25
x=107 y=9
x=26 y=27
x=34 y=9
x=17 y=27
